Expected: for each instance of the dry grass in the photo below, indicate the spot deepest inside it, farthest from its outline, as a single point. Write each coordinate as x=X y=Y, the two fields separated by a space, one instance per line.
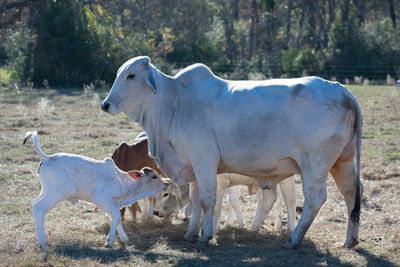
x=71 y=121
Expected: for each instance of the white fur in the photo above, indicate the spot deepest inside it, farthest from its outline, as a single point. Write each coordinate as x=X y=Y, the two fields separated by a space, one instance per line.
x=74 y=177
x=199 y=125
x=265 y=200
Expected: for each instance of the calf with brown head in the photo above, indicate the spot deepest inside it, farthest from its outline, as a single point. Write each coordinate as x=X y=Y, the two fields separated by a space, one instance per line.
x=134 y=156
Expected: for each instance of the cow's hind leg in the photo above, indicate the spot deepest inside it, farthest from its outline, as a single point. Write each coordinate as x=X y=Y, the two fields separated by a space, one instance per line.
x=314 y=189
x=345 y=176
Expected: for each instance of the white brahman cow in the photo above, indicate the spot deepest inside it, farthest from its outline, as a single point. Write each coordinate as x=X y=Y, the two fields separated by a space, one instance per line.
x=199 y=125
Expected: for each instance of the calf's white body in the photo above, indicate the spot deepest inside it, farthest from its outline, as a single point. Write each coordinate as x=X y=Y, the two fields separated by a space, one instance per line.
x=74 y=177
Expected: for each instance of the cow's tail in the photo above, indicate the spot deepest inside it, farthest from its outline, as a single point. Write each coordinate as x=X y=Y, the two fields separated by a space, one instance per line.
x=35 y=142
x=355 y=213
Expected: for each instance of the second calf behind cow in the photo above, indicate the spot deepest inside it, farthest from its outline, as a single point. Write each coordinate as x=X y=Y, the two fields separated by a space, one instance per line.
x=134 y=156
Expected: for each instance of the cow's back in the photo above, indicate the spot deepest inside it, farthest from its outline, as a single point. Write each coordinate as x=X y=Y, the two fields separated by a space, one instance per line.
x=260 y=126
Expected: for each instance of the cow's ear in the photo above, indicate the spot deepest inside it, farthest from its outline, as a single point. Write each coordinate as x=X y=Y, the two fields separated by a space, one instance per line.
x=150 y=79
x=134 y=174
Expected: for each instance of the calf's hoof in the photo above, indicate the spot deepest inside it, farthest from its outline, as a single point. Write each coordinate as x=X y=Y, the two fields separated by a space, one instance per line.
x=108 y=244
x=43 y=248
x=351 y=243
x=124 y=239
x=190 y=237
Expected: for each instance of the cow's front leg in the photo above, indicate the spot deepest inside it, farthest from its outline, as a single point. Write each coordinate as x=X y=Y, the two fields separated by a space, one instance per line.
x=207 y=182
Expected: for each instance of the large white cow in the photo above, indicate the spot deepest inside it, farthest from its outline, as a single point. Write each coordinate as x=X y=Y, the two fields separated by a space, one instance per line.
x=269 y=130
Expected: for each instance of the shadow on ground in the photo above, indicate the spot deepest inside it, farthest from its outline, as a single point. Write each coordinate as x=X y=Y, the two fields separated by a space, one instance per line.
x=163 y=243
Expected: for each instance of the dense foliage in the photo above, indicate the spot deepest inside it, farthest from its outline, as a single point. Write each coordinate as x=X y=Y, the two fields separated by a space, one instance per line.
x=75 y=42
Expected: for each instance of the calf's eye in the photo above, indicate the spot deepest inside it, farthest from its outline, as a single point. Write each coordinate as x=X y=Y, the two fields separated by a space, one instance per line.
x=130 y=77
x=166 y=194
x=154 y=177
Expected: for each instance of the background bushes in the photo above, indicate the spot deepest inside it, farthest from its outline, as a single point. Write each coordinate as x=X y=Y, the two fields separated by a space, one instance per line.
x=70 y=43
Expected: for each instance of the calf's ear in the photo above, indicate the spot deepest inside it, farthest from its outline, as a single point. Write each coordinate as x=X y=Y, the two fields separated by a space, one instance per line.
x=147 y=170
x=135 y=175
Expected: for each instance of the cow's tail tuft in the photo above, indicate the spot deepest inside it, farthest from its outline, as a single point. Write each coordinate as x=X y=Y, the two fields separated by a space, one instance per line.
x=355 y=213
x=35 y=142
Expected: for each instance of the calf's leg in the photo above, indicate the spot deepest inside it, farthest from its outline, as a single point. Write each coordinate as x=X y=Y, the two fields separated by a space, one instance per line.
x=234 y=193
x=221 y=187
x=40 y=206
x=288 y=190
x=265 y=200
x=278 y=209
x=113 y=211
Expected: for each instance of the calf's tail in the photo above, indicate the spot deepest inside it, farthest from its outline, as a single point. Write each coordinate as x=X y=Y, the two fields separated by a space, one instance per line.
x=35 y=142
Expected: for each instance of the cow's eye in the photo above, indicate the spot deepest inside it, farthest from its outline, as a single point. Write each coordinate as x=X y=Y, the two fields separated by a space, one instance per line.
x=166 y=194
x=130 y=77
x=154 y=177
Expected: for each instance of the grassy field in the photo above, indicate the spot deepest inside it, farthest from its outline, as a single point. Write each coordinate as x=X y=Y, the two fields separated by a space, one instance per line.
x=71 y=121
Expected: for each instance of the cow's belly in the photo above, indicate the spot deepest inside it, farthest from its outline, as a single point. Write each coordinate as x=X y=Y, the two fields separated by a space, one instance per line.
x=269 y=169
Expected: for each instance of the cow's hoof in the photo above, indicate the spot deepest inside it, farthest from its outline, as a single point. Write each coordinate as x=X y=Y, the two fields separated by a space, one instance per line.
x=351 y=244
x=203 y=240
x=190 y=237
x=107 y=245
x=201 y=243
x=289 y=245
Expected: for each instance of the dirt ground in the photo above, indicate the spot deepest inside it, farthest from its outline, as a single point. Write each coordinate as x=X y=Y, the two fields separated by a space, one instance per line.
x=71 y=121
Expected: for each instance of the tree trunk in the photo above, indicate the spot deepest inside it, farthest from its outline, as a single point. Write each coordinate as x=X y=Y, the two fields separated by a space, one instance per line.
x=289 y=22
x=392 y=13
x=254 y=19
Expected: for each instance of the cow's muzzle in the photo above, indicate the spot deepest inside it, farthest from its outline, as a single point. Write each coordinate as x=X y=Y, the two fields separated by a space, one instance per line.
x=105 y=106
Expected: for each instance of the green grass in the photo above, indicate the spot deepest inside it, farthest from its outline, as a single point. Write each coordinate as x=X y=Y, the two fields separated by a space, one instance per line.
x=76 y=124
x=6 y=75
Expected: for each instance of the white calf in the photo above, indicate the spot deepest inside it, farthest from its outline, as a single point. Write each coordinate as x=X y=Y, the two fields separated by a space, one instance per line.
x=74 y=177
x=265 y=200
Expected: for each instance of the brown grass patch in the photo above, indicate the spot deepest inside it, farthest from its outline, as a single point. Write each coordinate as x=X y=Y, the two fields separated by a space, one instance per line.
x=69 y=121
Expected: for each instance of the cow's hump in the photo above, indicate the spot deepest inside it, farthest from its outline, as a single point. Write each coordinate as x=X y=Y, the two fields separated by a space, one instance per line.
x=194 y=73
